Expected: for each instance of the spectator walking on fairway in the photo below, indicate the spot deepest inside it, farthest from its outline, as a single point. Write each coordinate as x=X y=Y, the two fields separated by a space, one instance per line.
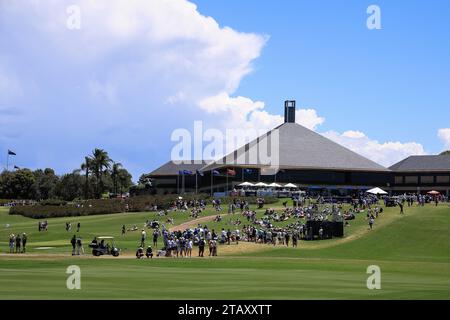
x=371 y=222
x=401 y=207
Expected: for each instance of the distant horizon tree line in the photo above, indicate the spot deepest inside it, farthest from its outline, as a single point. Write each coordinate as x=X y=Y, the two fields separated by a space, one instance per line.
x=97 y=175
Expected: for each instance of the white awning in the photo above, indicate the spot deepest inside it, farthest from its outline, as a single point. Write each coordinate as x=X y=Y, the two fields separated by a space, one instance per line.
x=376 y=191
x=274 y=185
x=290 y=185
x=246 y=184
x=261 y=184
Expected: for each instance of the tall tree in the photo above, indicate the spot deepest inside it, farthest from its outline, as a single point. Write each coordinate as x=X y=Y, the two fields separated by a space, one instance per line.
x=45 y=183
x=101 y=162
x=19 y=184
x=124 y=179
x=69 y=186
x=86 y=167
x=116 y=167
x=445 y=153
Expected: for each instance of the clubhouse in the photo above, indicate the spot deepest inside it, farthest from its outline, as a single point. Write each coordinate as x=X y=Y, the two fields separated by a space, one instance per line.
x=308 y=160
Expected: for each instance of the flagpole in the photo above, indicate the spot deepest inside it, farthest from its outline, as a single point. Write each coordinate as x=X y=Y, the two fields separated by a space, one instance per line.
x=7 y=160
x=182 y=179
x=211 y=183
x=226 y=188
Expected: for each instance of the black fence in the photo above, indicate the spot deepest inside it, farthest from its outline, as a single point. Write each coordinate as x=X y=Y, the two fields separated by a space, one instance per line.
x=330 y=229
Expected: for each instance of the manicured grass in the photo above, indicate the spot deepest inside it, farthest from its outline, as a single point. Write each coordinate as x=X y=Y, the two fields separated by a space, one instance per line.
x=413 y=252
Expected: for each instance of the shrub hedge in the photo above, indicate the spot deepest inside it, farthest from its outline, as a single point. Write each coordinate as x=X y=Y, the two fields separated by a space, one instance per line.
x=51 y=209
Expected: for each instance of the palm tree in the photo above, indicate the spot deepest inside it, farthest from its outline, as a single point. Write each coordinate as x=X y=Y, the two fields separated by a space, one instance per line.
x=115 y=173
x=101 y=162
x=86 y=166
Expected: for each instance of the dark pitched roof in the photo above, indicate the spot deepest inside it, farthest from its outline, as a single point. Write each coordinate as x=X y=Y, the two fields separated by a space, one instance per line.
x=170 y=168
x=301 y=148
x=423 y=163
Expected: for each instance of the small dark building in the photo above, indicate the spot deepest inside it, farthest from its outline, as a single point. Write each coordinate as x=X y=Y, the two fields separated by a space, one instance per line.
x=420 y=174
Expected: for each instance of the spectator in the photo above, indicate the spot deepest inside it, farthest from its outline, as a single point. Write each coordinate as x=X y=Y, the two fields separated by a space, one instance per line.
x=73 y=242
x=149 y=252
x=24 y=242
x=80 y=249
x=140 y=253
x=18 y=243
x=371 y=222
x=143 y=237
x=201 y=247
x=12 y=242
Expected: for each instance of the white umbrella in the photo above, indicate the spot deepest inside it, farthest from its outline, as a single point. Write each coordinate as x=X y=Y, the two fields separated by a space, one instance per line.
x=274 y=185
x=376 y=191
x=261 y=184
x=290 y=185
x=246 y=184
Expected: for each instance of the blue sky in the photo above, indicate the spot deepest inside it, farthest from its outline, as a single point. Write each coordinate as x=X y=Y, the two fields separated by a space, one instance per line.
x=137 y=70
x=322 y=54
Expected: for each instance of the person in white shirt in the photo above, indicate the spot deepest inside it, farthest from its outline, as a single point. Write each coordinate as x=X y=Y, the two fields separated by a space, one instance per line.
x=189 y=248
x=143 y=238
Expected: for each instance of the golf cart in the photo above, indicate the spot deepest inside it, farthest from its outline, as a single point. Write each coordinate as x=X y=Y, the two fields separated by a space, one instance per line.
x=104 y=246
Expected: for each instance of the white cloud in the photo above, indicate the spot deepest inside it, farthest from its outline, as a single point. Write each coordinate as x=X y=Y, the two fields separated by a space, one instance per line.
x=384 y=153
x=242 y=112
x=148 y=59
x=444 y=135
x=308 y=118
x=166 y=44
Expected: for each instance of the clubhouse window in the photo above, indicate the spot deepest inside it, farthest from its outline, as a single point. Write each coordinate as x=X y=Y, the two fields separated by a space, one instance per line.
x=443 y=179
x=412 y=179
x=427 y=179
x=399 y=180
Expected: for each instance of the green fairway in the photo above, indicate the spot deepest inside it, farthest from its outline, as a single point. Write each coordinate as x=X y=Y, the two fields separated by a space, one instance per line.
x=413 y=252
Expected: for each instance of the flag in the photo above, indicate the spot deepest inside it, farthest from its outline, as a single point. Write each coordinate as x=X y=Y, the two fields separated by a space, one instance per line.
x=16 y=167
x=231 y=172
x=187 y=172
x=11 y=153
x=215 y=172
x=199 y=173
